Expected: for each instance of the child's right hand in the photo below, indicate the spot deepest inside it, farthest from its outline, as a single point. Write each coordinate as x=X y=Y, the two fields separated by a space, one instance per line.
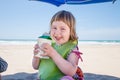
x=36 y=49
x=36 y=60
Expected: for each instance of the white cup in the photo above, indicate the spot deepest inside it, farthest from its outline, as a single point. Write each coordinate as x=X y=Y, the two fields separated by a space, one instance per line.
x=40 y=42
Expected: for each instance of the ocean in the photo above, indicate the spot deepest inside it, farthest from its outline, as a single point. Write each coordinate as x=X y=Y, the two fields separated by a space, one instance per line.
x=18 y=41
x=31 y=41
x=99 y=42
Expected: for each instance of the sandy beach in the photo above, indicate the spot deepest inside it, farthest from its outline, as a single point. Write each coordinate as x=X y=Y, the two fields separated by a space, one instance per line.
x=100 y=61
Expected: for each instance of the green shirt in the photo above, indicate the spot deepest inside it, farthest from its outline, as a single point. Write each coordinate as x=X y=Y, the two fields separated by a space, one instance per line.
x=48 y=69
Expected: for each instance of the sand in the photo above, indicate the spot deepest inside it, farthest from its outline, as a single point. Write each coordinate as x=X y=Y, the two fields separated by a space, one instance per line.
x=100 y=61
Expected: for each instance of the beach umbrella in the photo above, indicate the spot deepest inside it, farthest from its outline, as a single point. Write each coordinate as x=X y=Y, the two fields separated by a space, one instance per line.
x=73 y=2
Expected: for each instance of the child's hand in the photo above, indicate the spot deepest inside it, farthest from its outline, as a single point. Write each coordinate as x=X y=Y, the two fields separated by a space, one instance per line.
x=36 y=49
x=48 y=49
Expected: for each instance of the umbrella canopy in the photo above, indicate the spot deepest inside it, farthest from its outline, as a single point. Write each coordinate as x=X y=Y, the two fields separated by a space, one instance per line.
x=61 y=2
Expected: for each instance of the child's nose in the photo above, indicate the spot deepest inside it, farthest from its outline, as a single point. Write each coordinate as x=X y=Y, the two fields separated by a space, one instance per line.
x=57 y=32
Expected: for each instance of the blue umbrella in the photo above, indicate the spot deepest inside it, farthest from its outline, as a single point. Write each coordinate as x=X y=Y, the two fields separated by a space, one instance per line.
x=61 y=2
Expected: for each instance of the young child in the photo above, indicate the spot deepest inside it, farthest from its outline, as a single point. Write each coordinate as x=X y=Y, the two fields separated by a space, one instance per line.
x=63 y=53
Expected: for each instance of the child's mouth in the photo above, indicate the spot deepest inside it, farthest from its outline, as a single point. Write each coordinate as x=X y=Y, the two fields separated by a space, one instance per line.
x=58 y=38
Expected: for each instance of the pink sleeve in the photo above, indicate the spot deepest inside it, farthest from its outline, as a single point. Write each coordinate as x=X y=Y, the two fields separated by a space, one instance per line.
x=77 y=52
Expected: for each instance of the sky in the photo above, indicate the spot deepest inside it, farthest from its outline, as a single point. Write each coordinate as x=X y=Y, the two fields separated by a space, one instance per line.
x=24 y=19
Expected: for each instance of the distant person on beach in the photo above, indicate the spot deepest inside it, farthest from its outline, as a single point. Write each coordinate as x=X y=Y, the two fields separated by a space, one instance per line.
x=3 y=66
x=63 y=53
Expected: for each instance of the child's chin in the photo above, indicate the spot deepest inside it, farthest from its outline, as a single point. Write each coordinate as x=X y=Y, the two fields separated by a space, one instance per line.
x=59 y=43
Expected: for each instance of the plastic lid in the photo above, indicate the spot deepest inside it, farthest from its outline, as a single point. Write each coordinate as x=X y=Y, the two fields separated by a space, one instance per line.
x=45 y=36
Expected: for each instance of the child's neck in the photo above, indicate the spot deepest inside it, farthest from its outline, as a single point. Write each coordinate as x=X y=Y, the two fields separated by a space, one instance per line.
x=58 y=44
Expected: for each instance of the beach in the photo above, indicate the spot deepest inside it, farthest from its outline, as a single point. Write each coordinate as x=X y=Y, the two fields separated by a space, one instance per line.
x=19 y=58
x=100 y=61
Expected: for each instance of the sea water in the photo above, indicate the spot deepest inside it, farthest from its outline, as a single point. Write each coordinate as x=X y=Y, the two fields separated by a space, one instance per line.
x=17 y=41
x=33 y=41
x=112 y=42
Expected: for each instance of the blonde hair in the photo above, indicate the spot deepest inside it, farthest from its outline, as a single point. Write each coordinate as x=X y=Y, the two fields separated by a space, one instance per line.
x=68 y=19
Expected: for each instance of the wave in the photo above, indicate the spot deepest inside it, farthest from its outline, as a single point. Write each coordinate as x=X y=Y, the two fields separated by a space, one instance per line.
x=30 y=41
x=99 y=41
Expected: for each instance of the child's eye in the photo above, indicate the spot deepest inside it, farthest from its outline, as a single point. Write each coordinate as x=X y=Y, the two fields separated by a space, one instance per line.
x=54 y=28
x=62 y=29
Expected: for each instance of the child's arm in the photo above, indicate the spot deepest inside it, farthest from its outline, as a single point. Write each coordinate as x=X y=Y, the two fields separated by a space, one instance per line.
x=36 y=60
x=68 y=67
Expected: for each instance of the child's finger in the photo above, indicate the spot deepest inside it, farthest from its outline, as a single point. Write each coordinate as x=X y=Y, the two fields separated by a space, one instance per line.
x=44 y=54
x=36 y=51
x=36 y=46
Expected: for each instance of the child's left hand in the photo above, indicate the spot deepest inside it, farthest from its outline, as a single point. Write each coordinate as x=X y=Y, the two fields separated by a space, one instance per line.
x=48 y=49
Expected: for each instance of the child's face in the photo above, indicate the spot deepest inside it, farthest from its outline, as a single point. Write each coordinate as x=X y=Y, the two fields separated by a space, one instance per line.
x=60 y=32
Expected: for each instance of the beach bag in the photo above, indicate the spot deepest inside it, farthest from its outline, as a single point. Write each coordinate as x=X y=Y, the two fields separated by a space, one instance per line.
x=79 y=74
x=3 y=65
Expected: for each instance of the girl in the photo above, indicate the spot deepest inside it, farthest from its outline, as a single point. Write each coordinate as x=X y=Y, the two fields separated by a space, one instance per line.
x=63 y=53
